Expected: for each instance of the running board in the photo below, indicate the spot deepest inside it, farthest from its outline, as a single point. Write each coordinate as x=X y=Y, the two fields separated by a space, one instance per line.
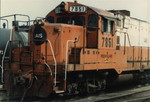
x=92 y=85
x=1 y=88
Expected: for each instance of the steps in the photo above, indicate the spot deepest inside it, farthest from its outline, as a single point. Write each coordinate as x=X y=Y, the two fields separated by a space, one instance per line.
x=57 y=90
x=60 y=91
x=1 y=88
x=60 y=83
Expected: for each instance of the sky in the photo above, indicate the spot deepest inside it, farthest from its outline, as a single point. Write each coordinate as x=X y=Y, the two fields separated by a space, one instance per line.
x=40 y=8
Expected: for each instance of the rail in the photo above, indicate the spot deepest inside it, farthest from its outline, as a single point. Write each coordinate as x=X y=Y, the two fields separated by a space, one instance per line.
x=66 y=63
x=49 y=68
x=54 y=61
x=14 y=15
x=5 y=54
x=3 y=61
x=2 y=66
x=129 y=39
x=127 y=36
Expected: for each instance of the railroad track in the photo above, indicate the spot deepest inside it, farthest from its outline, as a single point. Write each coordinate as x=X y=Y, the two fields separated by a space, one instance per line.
x=138 y=94
x=132 y=95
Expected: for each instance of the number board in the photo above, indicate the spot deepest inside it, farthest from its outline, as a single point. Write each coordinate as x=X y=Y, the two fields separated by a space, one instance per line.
x=78 y=9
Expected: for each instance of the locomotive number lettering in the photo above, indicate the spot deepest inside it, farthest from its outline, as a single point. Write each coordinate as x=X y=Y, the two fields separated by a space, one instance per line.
x=107 y=42
x=38 y=36
x=77 y=9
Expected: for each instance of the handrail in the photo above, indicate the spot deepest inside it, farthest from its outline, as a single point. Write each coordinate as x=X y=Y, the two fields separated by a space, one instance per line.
x=3 y=61
x=129 y=39
x=54 y=61
x=5 y=54
x=49 y=68
x=15 y=15
x=66 y=63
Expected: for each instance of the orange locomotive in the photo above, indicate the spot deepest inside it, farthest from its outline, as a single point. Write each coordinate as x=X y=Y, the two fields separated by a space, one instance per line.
x=77 y=49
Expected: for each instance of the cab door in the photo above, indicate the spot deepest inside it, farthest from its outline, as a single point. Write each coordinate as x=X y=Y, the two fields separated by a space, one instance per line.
x=92 y=31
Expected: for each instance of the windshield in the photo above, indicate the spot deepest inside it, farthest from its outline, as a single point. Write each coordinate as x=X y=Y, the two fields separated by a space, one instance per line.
x=79 y=20
x=64 y=20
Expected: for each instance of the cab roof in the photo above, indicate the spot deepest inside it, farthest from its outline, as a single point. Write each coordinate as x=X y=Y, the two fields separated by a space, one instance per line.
x=98 y=11
x=102 y=12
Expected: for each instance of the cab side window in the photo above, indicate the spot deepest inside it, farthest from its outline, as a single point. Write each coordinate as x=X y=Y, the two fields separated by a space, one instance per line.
x=64 y=20
x=92 y=22
x=50 y=19
x=107 y=26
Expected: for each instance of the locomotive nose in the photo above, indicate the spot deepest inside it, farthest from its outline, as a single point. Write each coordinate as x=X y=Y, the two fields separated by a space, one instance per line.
x=39 y=35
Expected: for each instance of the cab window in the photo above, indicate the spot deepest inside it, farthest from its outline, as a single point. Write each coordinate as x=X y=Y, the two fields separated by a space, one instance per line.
x=92 y=22
x=80 y=20
x=64 y=20
x=50 y=19
x=107 y=26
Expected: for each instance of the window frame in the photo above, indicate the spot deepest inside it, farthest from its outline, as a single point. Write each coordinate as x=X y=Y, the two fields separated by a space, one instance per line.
x=66 y=18
x=107 y=25
x=92 y=22
x=83 y=19
x=50 y=18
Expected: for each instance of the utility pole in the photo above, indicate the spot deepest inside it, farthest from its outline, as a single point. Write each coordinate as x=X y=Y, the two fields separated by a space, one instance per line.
x=0 y=12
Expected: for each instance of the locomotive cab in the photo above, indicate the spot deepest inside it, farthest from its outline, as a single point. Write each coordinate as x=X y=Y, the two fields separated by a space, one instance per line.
x=96 y=21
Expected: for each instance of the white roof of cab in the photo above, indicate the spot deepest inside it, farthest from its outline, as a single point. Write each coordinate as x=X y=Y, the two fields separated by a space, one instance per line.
x=102 y=12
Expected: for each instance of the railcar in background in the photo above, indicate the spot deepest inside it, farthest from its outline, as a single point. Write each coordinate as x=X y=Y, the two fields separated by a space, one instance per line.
x=17 y=35
x=79 y=49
